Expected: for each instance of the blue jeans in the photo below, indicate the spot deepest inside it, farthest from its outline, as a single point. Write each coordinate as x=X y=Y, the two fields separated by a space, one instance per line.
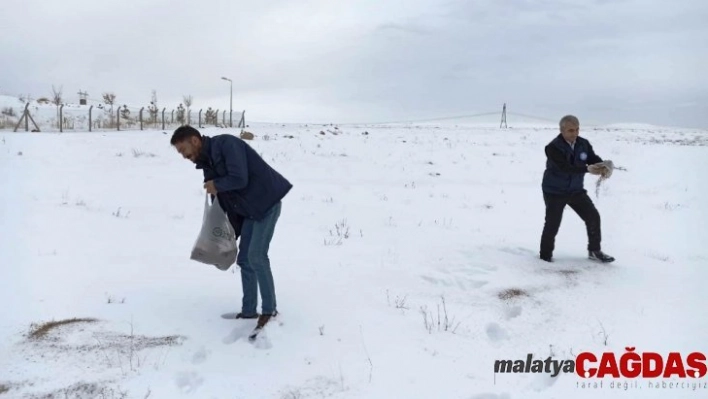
x=255 y=264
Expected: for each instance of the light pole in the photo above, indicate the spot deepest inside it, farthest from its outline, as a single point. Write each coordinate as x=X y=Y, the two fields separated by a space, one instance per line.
x=231 y=102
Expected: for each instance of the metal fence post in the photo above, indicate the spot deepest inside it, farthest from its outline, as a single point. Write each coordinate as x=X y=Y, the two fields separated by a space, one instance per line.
x=200 y=118
x=141 y=118
x=61 y=118
x=118 y=119
x=163 y=118
x=90 y=108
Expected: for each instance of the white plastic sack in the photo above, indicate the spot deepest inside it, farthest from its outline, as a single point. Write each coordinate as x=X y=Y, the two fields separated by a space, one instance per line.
x=216 y=243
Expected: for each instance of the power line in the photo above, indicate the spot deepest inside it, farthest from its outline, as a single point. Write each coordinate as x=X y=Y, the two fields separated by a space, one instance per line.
x=425 y=120
x=532 y=117
x=82 y=97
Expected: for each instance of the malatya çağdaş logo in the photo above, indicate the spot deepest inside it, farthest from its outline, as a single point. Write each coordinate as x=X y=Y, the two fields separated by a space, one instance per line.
x=628 y=365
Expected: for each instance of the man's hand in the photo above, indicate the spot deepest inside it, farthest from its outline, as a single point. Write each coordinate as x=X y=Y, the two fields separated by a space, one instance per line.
x=596 y=169
x=603 y=169
x=210 y=188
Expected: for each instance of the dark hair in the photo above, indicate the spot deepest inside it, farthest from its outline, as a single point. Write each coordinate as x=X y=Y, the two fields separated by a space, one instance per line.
x=183 y=133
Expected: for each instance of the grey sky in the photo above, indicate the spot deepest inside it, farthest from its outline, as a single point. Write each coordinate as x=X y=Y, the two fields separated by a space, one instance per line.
x=371 y=60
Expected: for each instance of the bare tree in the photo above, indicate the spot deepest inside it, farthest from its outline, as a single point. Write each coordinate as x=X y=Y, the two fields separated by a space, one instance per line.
x=125 y=112
x=56 y=95
x=152 y=108
x=188 y=103
x=56 y=100
x=210 y=118
x=180 y=114
x=109 y=99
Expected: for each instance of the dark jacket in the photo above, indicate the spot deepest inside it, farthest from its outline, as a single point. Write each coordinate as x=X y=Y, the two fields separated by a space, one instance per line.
x=247 y=187
x=566 y=167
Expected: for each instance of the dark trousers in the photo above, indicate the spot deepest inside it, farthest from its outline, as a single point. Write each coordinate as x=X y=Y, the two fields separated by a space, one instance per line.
x=583 y=206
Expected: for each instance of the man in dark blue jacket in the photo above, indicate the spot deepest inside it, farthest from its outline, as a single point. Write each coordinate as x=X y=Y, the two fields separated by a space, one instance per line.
x=568 y=159
x=250 y=192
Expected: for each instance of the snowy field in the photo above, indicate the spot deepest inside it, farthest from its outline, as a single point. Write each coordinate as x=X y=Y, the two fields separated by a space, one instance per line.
x=405 y=264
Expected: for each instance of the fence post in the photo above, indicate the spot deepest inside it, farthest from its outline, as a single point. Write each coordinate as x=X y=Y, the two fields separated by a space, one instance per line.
x=90 y=108
x=242 y=122
x=216 y=118
x=200 y=118
x=27 y=117
x=61 y=118
x=189 y=117
x=141 y=118
x=172 y=118
x=118 y=119
x=163 y=118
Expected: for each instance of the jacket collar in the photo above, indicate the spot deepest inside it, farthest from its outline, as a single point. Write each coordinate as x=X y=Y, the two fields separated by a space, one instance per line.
x=560 y=141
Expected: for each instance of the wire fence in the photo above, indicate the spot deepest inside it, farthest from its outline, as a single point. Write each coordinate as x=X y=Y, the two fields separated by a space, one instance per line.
x=46 y=117
x=89 y=118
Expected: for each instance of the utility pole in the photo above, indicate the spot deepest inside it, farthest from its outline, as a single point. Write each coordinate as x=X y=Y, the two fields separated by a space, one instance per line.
x=503 y=119
x=82 y=97
x=231 y=102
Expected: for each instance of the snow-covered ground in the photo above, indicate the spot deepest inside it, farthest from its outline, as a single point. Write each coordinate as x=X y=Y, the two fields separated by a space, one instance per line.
x=405 y=264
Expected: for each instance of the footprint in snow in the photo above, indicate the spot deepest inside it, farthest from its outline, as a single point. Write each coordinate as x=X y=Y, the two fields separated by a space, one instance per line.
x=188 y=382
x=496 y=333
x=262 y=342
x=512 y=312
x=200 y=356
x=241 y=331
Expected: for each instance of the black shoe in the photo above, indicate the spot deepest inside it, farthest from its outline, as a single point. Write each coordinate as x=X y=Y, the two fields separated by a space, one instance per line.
x=600 y=256
x=547 y=258
x=242 y=316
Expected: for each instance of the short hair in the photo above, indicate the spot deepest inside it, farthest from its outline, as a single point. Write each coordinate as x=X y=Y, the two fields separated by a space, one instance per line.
x=568 y=119
x=183 y=133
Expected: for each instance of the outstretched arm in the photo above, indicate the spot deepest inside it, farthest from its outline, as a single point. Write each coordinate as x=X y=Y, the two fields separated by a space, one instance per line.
x=557 y=157
x=592 y=157
x=234 y=154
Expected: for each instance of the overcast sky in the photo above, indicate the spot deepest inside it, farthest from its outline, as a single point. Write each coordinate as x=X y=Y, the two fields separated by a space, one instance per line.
x=608 y=61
